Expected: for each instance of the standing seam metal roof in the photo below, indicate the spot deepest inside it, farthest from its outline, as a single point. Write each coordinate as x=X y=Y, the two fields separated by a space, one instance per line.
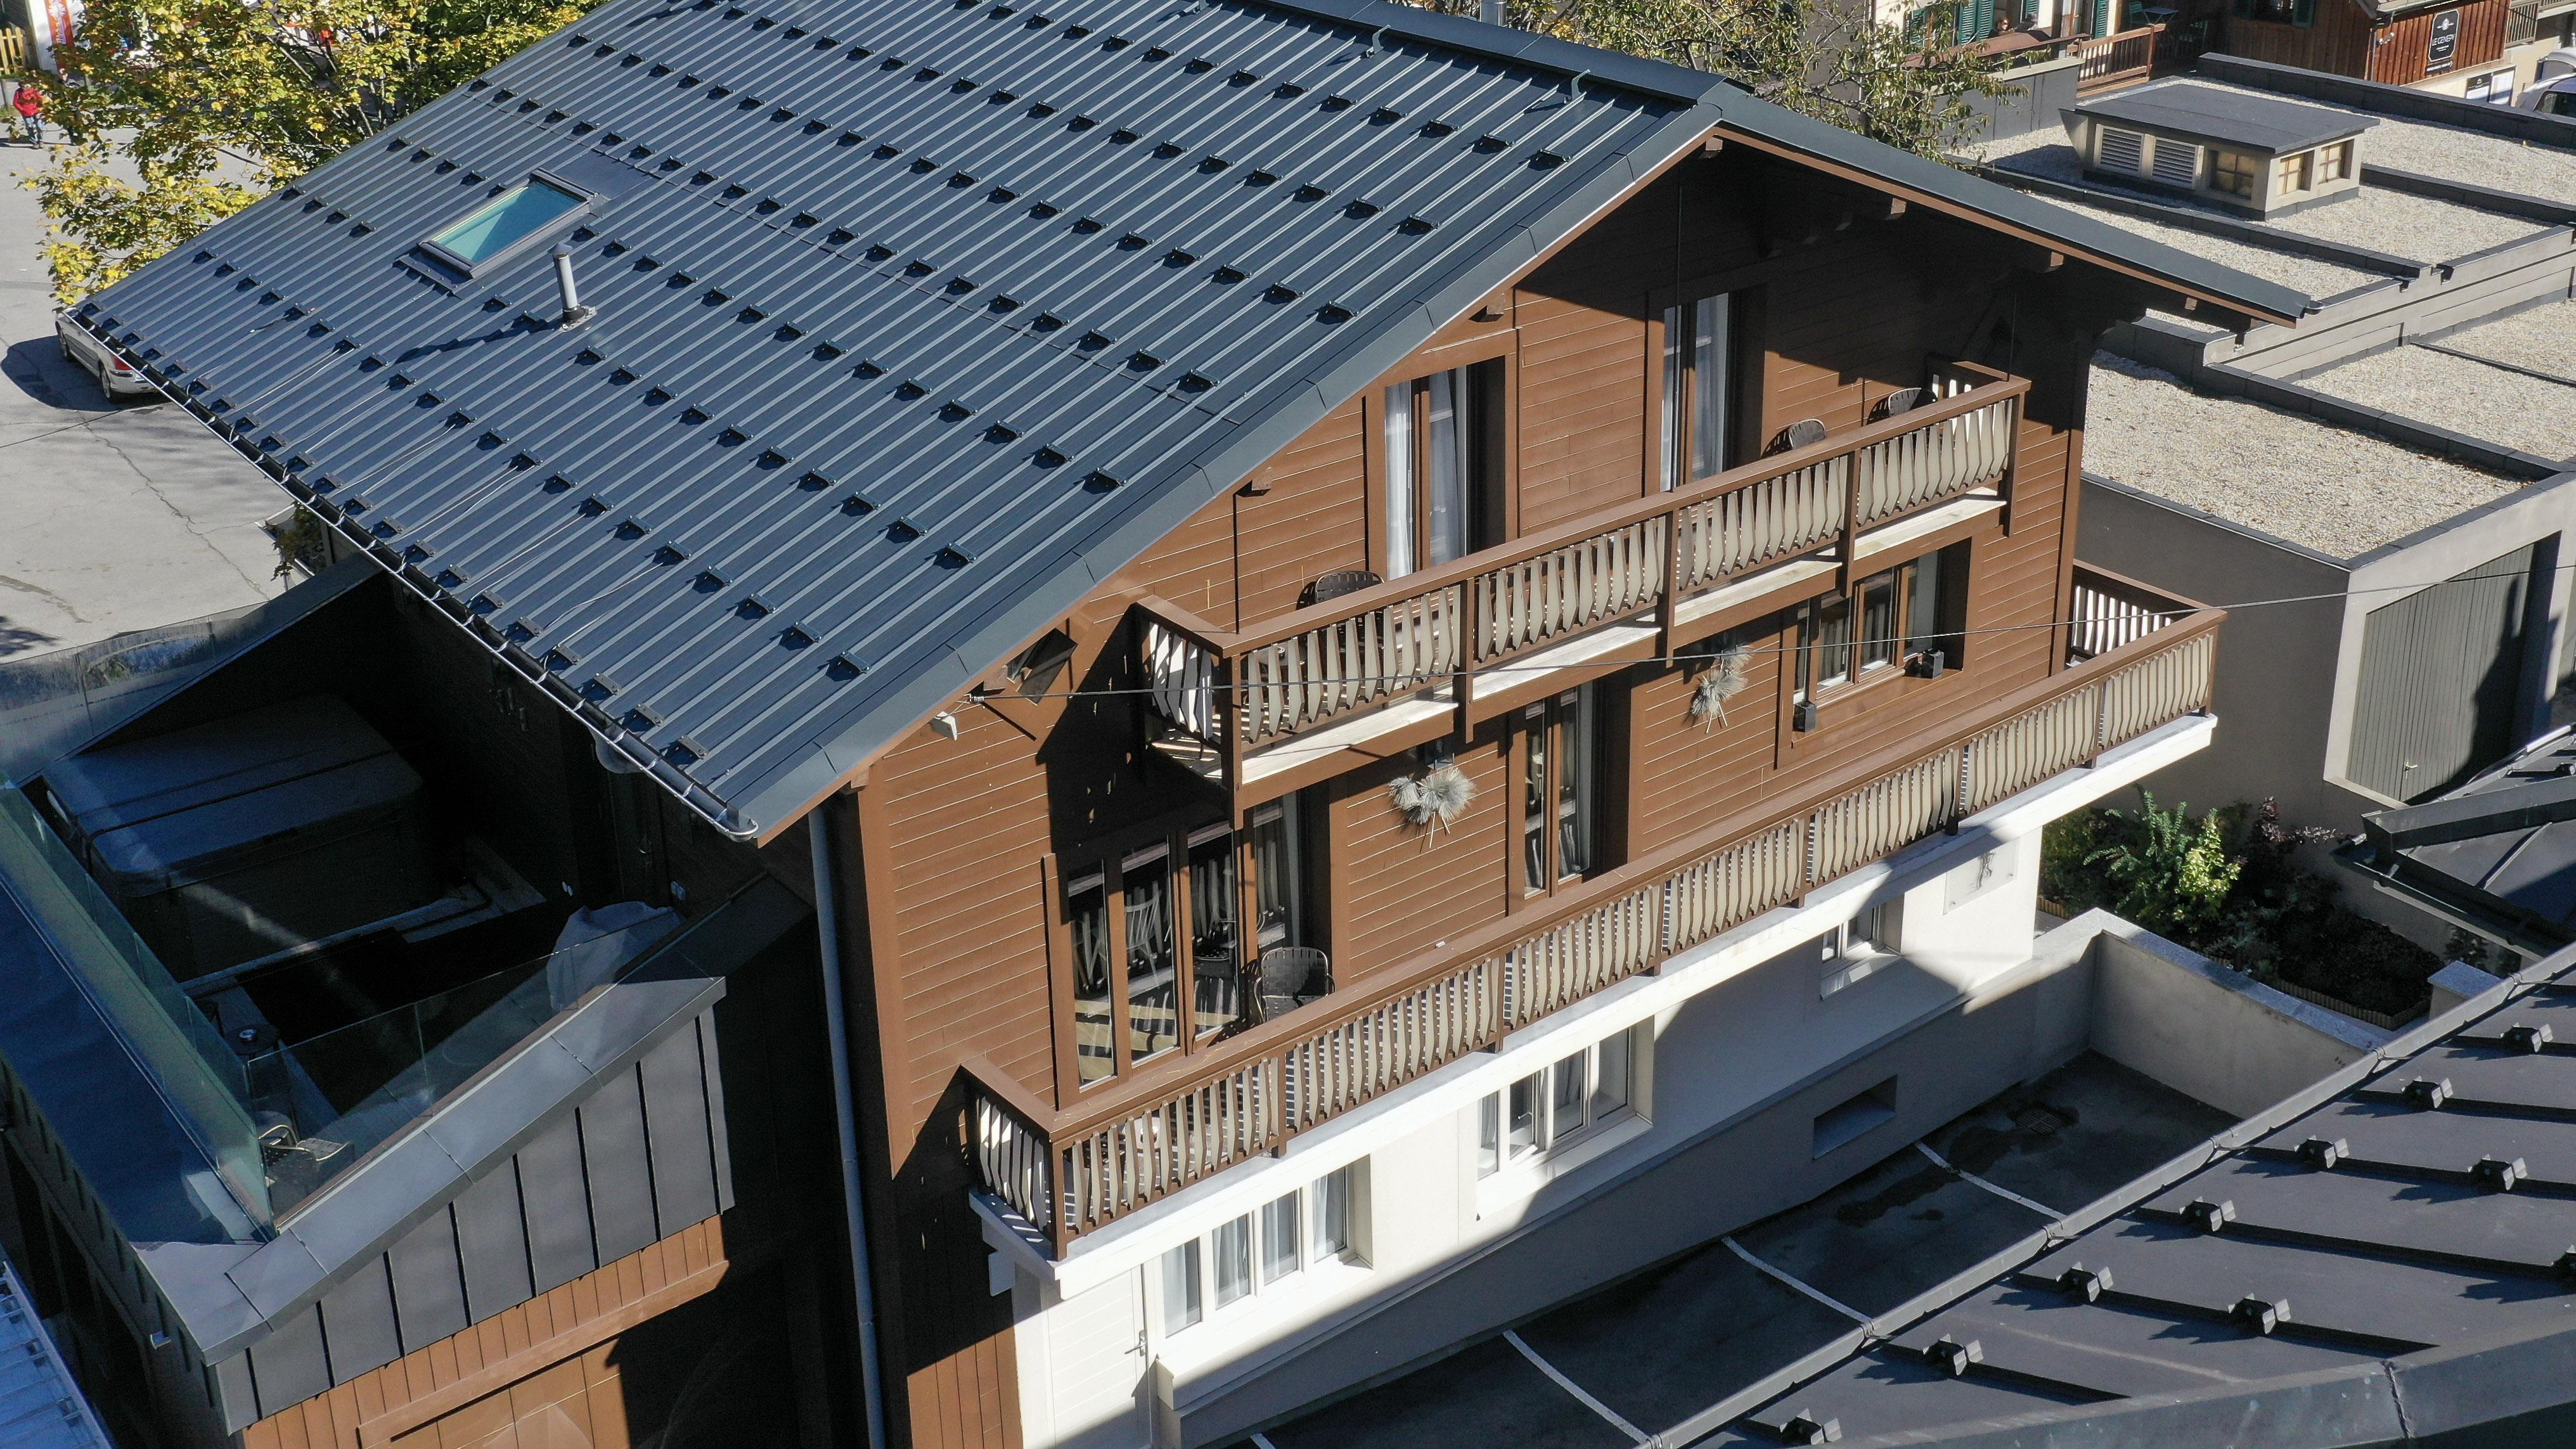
x=917 y=319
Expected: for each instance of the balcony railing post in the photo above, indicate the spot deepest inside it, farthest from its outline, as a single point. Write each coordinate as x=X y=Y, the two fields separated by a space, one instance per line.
x=1671 y=596
x=1472 y=614
x=1233 y=716
x=1849 y=547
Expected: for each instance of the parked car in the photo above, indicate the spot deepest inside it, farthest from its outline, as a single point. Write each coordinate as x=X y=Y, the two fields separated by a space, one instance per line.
x=116 y=376
x=2553 y=85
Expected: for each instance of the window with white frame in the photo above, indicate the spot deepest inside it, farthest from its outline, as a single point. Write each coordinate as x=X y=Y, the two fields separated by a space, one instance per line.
x=1558 y=1105
x=1265 y=1250
x=1861 y=947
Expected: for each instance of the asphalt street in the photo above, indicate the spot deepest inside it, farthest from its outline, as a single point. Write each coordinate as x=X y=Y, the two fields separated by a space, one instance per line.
x=112 y=516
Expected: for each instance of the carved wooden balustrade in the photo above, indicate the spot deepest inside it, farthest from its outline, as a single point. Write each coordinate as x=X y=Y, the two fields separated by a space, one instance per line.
x=1433 y=629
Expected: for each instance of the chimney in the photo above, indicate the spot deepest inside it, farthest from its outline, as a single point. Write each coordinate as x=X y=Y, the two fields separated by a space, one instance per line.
x=1494 y=13
x=574 y=314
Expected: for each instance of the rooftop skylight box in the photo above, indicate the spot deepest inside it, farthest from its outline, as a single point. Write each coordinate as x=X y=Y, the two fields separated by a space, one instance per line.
x=507 y=224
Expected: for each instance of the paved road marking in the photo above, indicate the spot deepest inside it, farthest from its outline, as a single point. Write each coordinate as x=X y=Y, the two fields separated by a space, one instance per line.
x=1836 y=1304
x=1636 y=1434
x=2041 y=1208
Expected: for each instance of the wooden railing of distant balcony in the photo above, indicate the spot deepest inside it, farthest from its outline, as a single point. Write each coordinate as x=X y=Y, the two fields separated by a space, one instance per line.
x=1435 y=628
x=2108 y=62
x=1138 y=1140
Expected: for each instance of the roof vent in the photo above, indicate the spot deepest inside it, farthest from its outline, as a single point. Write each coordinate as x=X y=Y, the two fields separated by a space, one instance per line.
x=574 y=314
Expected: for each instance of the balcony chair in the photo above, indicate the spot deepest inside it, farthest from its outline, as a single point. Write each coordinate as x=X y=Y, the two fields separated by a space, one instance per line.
x=1903 y=400
x=1805 y=432
x=1334 y=585
x=1292 y=976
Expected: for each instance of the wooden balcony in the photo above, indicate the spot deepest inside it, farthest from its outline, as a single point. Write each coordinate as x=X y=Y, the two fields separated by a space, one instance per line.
x=1074 y=1171
x=2111 y=62
x=1244 y=707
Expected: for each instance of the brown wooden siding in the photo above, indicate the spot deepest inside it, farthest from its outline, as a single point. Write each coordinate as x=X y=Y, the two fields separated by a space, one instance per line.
x=2338 y=43
x=1400 y=887
x=1582 y=410
x=2401 y=47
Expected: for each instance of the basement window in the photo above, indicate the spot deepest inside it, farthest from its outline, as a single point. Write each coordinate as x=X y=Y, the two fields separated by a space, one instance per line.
x=503 y=224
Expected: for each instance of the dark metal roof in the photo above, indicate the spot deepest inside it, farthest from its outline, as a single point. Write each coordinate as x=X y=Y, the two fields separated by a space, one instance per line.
x=2218 y=113
x=2499 y=851
x=917 y=320
x=2373 y=1262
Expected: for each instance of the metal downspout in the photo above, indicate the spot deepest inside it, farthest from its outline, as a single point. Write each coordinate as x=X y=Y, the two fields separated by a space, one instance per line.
x=844 y=1116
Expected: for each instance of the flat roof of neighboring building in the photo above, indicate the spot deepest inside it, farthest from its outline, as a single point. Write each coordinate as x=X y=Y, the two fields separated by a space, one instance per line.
x=2381 y=1259
x=2339 y=492
x=2250 y=119
x=2450 y=382
x=2421 y=229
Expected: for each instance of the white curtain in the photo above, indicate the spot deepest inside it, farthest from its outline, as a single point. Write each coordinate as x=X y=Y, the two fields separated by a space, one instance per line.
x=1400 y=556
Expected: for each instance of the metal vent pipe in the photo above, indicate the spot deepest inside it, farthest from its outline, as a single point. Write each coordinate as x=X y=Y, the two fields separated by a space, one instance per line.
x=574 y=314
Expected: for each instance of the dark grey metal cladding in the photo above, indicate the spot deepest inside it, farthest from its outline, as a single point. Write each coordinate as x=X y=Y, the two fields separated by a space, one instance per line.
x=555 y=1188
x=1881 y=1390
x=428 y=1283
x=676 y=1129
x=2481 y=1075
x=2047 y=1336
x=2457 y=1222
x=2382 y=1133
x=288 y=1367
x=621 y=1170
x=492 y=1242
x=358 y=1314
x=916 y=321
x=2168 y=1264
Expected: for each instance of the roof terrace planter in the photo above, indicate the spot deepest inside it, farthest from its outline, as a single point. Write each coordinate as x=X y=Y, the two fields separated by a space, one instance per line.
x=1232 y=692
x=2246 y=153
x=1075 y=1171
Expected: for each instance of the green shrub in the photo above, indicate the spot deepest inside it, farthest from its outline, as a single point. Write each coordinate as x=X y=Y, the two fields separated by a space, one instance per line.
x=2172 y=876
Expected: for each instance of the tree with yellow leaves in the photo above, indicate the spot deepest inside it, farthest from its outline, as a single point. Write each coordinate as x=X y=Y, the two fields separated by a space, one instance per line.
x=179 y=113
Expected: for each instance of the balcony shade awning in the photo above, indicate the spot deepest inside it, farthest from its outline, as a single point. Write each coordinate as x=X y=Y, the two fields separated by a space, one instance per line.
x=914 y=323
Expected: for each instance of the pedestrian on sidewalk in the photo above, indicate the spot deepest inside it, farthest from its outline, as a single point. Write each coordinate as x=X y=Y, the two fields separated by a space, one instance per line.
x=31 y=112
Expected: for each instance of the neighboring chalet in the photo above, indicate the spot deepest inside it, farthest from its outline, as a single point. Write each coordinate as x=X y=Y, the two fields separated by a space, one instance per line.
x=1198 y=661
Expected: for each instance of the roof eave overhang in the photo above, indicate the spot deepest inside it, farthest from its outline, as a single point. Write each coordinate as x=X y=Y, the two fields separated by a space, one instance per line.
x=2235 y=312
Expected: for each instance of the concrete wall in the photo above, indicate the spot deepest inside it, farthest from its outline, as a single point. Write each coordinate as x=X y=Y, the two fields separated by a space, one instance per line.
x=2276 y=665
x=2209 y=1032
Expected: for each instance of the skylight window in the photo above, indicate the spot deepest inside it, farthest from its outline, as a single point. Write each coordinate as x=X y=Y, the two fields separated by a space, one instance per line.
x=505 y=221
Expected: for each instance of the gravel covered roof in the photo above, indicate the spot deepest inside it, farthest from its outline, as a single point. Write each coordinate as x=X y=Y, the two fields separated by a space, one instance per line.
x=2313 y=275
x=2543 y=339
x=2501 y=406
x=2327 y=488
x=2416 y=227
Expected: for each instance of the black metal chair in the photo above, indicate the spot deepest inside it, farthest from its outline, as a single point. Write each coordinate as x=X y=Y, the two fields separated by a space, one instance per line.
x=1804 y=433
x=1292 y=976
x=1334 y=585
x=1903 y=400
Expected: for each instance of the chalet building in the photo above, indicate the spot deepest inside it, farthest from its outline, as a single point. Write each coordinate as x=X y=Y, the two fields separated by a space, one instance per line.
x=2482 y=50
x=1046 y=710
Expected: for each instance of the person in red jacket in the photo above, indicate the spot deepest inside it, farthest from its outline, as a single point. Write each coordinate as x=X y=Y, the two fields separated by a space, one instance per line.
x=31 y=112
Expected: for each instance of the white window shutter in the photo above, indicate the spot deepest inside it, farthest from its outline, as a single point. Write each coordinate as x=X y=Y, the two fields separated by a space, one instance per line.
x=2177 y=162
x=2123 y=151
